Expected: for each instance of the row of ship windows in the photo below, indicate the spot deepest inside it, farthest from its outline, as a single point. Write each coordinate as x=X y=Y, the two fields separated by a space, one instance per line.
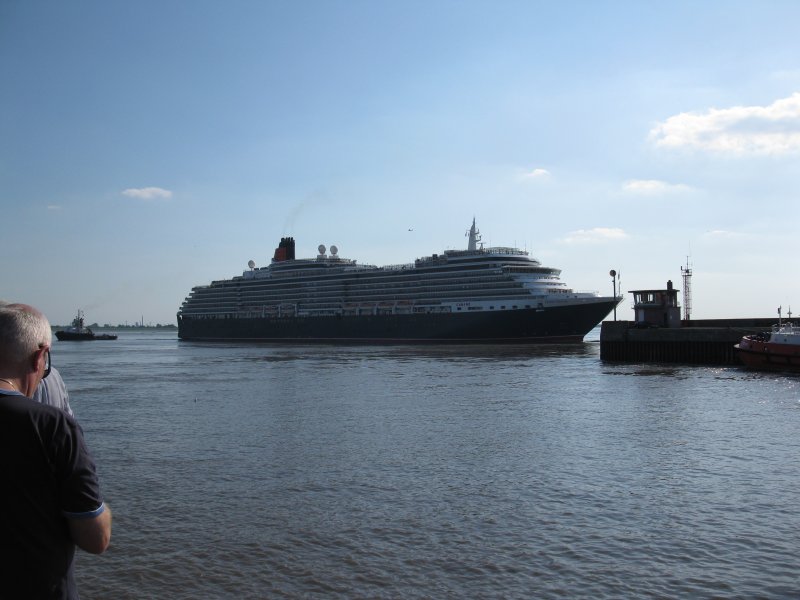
x=292 y=310
x=369 y=285
x=333 y=307
x=407 y=270
x=316 y=300
x=400 y=277
x=405 y=280
x=461 y=290
x=362 y=290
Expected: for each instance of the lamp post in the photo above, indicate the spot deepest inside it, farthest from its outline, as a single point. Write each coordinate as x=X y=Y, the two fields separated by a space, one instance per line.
x=613 y=274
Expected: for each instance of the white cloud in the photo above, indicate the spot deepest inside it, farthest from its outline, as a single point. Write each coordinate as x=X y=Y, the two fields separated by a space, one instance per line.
x=652 y=186
x=595 y=236
x=772 y=129
x=721 y=234
x=53 y=207
x=148 y=193
x=537 y=173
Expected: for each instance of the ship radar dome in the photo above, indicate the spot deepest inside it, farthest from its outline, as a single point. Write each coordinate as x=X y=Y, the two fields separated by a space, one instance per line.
x=321 y=248
x=334 y=250
x=251 y=264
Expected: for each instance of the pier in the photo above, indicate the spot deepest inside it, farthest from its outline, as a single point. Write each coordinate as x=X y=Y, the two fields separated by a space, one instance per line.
x=701 y=342
x=658 y=334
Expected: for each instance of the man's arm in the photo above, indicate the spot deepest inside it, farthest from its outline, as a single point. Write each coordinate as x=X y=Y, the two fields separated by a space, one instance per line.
x=92 y=534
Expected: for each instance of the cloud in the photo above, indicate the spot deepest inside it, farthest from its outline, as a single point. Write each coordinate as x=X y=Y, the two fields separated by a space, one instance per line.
x=598 y=235
x=721 y=234
x=652 y=186
x=770 y=130
x=148 y=193
x=537 y=173
x=53 y=207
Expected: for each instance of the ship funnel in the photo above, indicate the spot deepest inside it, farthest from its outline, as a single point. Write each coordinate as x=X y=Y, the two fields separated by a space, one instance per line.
x=285 y=250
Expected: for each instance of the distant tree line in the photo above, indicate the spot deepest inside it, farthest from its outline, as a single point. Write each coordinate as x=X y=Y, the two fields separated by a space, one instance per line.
x=122 y=326
x=137 y=326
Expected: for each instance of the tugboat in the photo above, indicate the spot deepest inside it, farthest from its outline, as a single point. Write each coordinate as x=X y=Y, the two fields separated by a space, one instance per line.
x=80 y=333
x=775 y=350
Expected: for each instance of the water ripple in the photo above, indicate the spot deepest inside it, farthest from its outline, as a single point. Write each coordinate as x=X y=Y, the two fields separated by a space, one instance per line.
x=255 y=471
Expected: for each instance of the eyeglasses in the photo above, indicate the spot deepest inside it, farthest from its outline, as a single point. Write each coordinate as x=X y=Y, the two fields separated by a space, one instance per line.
x=47 y=365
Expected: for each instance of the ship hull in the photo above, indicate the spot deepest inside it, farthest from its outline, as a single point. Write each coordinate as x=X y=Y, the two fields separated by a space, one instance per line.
x=766 y=356
x=559 y=324
x=72 y=336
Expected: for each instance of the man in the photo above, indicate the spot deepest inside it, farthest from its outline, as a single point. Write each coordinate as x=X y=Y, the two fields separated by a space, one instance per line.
x=51 y=497
x=52 y=389
x=53 y=392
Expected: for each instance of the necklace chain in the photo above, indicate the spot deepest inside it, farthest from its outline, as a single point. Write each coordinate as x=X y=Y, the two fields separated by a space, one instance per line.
x=9 y=383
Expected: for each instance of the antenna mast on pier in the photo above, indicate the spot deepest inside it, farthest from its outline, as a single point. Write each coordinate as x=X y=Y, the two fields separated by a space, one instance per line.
x=687 y=291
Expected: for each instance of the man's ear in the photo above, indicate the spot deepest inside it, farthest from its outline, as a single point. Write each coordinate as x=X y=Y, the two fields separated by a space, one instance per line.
x=32 y=377
x=38 y=359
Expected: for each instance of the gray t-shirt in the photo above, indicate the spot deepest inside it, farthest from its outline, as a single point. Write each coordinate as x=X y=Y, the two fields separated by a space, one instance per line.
x=53 y=392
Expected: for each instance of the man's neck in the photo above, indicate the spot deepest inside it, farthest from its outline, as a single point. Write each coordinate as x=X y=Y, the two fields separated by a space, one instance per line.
x=25 y=384
x=8 y=383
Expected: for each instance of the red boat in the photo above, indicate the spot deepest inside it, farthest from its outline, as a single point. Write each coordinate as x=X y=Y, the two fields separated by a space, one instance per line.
x=776 y=350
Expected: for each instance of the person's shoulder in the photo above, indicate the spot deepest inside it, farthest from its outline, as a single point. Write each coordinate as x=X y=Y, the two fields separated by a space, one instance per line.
x=22 y=405
x=54 y=376
x=53 y=391
x=14 y=402
x=53 y=383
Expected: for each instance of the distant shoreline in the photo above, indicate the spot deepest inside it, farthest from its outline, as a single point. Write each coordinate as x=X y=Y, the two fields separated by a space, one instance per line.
x=126 y=327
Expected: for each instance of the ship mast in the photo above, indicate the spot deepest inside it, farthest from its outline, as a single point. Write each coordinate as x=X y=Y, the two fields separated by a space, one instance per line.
x=474 y=237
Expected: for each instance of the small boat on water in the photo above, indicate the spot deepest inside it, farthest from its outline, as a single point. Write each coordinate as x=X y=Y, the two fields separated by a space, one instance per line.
x=80 y=333
x=775 y=350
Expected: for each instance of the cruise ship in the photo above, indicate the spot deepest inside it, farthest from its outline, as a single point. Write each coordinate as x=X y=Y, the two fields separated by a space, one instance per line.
x=490 y=295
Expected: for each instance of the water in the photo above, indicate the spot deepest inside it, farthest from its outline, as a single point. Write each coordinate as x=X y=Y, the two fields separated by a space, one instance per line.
x=258 y=471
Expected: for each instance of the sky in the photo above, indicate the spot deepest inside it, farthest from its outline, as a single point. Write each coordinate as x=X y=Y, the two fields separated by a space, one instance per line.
x=148 y=147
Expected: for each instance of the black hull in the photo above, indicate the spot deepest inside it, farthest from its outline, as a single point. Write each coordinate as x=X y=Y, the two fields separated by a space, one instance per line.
x=69 y=336
x=563 y=324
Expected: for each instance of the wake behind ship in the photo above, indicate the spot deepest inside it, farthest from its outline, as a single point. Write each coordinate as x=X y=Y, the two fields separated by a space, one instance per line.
x=492 y=295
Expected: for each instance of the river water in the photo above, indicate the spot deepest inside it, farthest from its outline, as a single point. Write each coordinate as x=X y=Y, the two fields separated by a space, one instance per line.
x=262 y=471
